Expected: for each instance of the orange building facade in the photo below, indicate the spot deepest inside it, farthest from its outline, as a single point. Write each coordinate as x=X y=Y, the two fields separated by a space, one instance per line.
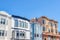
x=50 y=28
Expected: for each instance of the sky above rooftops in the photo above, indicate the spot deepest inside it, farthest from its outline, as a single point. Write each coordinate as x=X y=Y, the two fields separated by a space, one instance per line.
x=33 y=8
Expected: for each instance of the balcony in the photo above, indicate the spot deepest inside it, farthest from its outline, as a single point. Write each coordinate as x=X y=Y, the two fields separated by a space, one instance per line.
x=50 y=34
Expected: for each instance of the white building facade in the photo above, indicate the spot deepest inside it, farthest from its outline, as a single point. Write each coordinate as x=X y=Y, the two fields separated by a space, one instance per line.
x=20 y=28
x=5 y=26
x=14 y=27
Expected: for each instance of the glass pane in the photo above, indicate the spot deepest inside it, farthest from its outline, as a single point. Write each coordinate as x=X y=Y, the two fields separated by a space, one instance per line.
x=16 y=23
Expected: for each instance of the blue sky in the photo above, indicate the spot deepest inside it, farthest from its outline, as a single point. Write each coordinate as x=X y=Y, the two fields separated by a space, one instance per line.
x=33 y=8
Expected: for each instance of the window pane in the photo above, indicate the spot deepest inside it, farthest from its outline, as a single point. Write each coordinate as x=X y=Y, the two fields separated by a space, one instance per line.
x=48 y=30
x=0 y=32
x=26 y=25
x=22 y=34
x=17 y=34
x=55 y=25
x=21 y=24
x=43 y=21
x=43 y=28
x=16 y=23
x=2 y=21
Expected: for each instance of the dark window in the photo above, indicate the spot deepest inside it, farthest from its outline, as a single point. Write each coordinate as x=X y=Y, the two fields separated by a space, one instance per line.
x=2 y=21
x=22 y=34
x=43 y=28
x=55 y=25
x=34 y=35
x=17 y=34
x=43 y=21
x=37 y=35
x=1 y=32
x=45 y=39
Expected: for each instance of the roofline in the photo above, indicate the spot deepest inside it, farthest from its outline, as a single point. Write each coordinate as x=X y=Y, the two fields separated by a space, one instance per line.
x=48 y=19
x=20 y=17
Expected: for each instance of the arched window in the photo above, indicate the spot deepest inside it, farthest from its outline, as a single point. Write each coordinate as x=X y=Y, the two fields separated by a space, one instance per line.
x=43 y=21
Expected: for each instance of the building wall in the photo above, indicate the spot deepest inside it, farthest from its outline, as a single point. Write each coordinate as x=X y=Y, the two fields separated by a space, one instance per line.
x=48 y=26
x=48 y=30
x=21 y=29
x=33 y=31
x=5 y=26
x=36 y=31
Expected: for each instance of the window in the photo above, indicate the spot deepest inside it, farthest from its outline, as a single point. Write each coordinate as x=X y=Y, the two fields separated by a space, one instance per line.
x=16 y=23
x=36 y=35
x=52 y=30
x=26 y=25
x=44 y=38
x=20 y=24
x=48 y=30
x=1 y=32
x=2 y=21
x=51 y=24
x=43 y=21
x=17 y=34
x=22 y=34
x=43 y=28
x=23 y=24
x=55 y=25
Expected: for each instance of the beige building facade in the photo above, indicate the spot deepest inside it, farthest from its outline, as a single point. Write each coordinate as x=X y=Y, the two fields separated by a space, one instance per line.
x=50 y=28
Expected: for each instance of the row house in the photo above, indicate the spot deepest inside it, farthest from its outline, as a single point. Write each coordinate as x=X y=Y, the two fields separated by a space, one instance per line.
x=49 y=29
x=14 y=27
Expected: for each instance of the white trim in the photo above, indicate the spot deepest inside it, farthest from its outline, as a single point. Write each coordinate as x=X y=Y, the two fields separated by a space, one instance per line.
x=5 y=13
